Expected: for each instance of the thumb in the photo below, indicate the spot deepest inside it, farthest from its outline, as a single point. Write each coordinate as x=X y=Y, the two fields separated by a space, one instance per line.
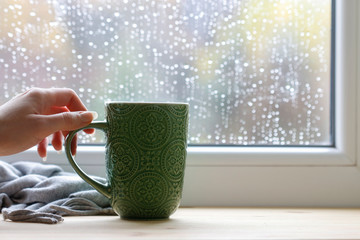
x=67 y=121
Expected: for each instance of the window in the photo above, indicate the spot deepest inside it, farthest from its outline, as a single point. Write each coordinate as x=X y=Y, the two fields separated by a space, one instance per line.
x=195 y=57
x=254 y=72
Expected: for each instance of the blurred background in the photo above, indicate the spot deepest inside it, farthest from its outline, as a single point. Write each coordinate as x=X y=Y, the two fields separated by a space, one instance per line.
x=254 y=72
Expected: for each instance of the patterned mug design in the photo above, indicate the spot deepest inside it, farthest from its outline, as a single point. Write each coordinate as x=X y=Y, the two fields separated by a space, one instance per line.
x=151 y=127
x=145 y=158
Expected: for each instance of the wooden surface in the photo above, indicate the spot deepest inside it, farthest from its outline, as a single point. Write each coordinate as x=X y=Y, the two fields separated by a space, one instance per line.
x=201 y=223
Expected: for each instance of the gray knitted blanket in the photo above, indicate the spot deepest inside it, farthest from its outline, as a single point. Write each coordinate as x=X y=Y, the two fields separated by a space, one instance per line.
x=35 y=192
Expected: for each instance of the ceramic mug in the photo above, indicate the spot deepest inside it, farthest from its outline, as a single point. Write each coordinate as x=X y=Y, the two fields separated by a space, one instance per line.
x=145 y=157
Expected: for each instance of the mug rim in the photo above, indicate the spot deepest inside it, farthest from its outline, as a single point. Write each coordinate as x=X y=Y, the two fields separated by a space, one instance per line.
x=144 y=103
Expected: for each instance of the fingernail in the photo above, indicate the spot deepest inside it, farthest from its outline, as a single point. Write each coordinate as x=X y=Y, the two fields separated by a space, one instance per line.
x=95 y=115
x=44 y=159
x=59 y=152
x=88 y=116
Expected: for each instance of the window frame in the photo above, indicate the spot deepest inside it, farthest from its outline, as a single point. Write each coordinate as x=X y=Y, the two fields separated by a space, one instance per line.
x=273 y=176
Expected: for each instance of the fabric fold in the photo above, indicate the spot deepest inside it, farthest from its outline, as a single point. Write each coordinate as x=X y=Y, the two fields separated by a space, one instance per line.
x=42 y=193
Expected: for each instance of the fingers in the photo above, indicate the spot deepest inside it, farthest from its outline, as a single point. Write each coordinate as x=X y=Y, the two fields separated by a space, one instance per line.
x=65 y=109
x=66 y=121
x=57 y=144
x=57 y=140
x=59 y=104
x=68 y=98
x=58 y=111
x=56 y=97
x=42 y=148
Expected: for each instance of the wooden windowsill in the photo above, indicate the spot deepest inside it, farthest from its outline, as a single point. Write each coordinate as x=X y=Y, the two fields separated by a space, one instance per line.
x=201 y=223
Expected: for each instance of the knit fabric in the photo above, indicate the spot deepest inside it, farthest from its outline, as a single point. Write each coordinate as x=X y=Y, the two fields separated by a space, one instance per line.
x=35 y=192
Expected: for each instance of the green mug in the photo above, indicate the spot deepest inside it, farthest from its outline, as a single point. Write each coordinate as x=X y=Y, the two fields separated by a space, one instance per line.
x=145 y=157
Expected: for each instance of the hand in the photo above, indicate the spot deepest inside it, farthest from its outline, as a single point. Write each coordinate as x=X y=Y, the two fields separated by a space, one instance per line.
x=28 y=119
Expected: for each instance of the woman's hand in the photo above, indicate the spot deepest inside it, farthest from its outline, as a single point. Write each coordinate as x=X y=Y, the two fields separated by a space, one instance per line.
x=28 y=119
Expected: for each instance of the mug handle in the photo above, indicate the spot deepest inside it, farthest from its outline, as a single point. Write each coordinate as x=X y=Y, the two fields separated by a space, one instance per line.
x=104 y=189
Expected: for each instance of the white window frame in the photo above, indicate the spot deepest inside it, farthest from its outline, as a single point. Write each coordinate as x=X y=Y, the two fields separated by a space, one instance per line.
x=273 y=176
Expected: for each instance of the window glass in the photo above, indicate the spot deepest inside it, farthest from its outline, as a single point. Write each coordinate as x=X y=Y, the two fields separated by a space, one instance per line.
x=255 y=72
